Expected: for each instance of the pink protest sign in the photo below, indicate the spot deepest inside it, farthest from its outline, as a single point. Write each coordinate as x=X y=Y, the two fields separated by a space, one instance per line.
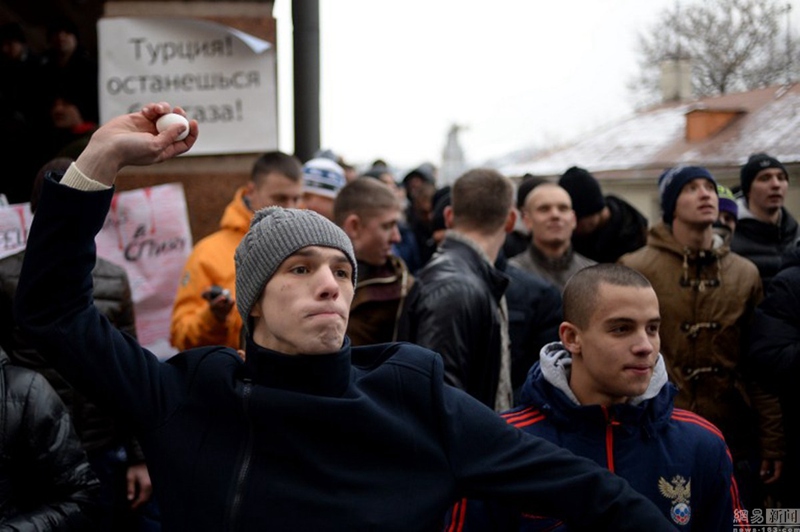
x=15 y=221
x=147 y=232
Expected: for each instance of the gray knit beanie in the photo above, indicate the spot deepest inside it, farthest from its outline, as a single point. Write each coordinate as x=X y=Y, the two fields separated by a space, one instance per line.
x=275 y=233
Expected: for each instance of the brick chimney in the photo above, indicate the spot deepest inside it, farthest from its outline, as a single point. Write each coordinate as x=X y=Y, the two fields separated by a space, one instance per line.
x=676 y=80
x=703 y=122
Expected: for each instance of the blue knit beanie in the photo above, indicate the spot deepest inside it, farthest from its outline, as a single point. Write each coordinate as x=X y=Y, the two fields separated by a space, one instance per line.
x=672 y=182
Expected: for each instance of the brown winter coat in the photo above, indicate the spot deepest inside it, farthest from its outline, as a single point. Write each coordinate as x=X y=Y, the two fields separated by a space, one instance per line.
x=707 y=299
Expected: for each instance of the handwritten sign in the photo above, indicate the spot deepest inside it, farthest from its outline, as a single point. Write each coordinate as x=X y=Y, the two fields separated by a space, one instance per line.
x=15 y=221
x=147 y=233
x=222 y=77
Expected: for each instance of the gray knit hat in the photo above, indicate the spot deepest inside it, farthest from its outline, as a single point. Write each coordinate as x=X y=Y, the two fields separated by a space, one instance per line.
x=275 y=233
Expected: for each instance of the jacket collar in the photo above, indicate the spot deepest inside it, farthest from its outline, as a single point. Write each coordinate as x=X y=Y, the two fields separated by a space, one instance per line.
x=472 y=256
x=323 y=375
x=547 y=387
x=660 y=236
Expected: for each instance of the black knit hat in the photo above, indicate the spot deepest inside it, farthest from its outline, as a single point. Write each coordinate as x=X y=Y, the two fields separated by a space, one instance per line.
x=528 y=183
x=441 y=199
x=583 y=188
x=756 y=163
x=423 y=171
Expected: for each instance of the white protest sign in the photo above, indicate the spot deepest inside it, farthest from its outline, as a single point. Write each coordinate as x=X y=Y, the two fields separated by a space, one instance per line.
x=15 y=222
x=147 y=233
x=222 y=77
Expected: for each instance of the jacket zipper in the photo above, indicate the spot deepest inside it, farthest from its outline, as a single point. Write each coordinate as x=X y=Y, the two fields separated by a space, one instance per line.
x=610 y=424
x=244 y=468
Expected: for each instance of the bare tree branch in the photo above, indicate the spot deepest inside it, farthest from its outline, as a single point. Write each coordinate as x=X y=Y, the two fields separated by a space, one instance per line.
x=733 y=45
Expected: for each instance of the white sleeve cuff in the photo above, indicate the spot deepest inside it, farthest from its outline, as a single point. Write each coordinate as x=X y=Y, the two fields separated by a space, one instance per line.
x=74 y=178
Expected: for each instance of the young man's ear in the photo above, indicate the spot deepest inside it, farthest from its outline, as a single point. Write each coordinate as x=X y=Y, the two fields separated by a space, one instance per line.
x=570 y=336
x=448 y=217
x=352 y=225
x=511 y=220
x=255 y=312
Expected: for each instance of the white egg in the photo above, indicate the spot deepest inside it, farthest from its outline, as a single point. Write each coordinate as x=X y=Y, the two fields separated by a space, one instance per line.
x=173 y=118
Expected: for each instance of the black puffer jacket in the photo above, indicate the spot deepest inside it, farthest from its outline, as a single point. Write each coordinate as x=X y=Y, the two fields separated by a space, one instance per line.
x=97 y=428
x=534 y=313
x=625 y=232
x=45 y=479
x=775 y=350
x=764 y=243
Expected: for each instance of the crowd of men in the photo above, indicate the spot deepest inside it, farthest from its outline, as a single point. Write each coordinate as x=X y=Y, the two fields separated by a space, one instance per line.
x=370 y=350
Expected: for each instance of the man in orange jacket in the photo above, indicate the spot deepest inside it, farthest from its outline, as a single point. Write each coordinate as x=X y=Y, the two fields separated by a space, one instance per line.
x=206 y=295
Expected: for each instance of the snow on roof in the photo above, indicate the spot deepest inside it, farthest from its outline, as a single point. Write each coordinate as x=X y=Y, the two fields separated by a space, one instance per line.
x=772 y=129
x=656 y=138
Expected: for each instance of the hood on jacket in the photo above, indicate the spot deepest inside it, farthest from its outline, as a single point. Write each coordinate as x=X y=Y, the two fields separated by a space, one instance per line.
x=555 y=365
x=660 y=236
x=744 y=213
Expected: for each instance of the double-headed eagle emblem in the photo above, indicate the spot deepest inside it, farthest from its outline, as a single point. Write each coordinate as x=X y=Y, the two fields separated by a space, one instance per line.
x=679 y=492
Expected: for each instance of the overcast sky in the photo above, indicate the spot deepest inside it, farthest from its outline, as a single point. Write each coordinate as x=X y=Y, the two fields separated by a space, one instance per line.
x=516 y=73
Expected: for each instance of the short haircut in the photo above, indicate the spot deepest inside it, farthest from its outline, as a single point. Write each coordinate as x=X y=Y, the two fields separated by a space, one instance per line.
x=481 y=200
x=365 y=197
x=541 y=188
x=580 y=292
x=277 y=161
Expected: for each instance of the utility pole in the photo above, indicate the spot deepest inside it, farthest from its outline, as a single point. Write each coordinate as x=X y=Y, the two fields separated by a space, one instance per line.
x=305 y=20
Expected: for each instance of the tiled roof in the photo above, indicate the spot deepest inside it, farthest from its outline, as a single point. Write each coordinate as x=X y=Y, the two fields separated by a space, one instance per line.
x=768 y=120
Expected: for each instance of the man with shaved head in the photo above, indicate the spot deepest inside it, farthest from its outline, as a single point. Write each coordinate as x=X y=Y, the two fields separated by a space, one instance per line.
x=549 y=217
x=603 y=393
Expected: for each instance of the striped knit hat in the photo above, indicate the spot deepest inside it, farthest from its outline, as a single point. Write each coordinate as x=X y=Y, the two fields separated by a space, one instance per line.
x=323 y=177
x=275 y=234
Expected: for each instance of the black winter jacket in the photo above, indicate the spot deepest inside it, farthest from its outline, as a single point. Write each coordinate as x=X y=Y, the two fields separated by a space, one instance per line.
x=534 y=314
x=46 y=483
x=775 y=350
x=97 y=427
x=764 y=243
x=626 y=231
x=453 y=309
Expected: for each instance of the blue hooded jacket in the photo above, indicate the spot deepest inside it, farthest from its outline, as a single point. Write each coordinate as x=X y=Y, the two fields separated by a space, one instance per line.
x=674 y=457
